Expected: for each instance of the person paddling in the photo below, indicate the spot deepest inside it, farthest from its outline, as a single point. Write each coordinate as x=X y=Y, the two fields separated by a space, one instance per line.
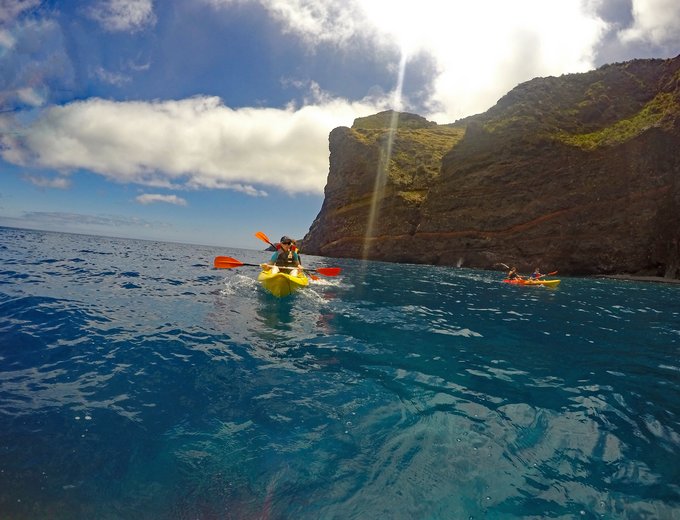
x=286 y=257
x=513 y=274
x=536 y=274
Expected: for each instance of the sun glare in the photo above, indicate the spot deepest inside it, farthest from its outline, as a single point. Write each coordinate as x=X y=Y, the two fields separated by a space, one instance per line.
x=485 y=48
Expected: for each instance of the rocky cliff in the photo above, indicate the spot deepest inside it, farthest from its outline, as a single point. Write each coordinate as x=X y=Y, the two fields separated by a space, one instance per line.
x=579 y=173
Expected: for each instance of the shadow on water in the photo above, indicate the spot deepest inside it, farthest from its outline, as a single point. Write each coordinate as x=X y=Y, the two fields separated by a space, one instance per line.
x=275 y=313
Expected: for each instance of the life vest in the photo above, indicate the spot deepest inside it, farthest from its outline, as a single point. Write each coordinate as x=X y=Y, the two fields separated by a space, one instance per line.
x=293 y=247
x=287 y=259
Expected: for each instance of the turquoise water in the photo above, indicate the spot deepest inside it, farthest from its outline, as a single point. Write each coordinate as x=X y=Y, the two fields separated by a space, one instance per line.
x=137 y=382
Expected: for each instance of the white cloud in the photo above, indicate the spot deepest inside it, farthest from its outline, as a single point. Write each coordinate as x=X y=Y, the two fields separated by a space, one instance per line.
x=60 y=220
x=123 y=15
x=150 y=198
x=485 y=55
x=33 y=63
x=111 y=78
x=313 y=20
x=29 y=96
x=48 y=182
x=11 y=9
x=481 y=49
x=7 y=40
x=189 y=144
x=655 y=21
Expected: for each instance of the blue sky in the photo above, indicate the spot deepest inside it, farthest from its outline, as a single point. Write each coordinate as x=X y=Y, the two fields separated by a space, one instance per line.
x=203 y=121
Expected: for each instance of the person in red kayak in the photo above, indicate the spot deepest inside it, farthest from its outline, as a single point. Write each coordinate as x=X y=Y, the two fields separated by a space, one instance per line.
x=286 y=257
x=536 y=274
x=513 y=274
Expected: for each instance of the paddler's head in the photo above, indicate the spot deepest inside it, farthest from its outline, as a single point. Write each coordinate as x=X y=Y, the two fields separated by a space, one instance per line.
x=286 y=242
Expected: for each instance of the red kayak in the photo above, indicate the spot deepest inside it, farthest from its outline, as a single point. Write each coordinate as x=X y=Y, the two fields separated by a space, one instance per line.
x=522 y=281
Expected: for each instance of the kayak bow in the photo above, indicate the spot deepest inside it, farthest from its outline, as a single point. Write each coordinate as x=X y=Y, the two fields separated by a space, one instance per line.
x=282 y=284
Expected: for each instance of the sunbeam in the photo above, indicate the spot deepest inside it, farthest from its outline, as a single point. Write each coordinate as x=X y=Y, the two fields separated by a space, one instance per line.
x=385 y=158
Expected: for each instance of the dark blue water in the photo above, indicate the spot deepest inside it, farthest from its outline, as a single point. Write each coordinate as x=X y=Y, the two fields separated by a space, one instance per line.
x=136 y=382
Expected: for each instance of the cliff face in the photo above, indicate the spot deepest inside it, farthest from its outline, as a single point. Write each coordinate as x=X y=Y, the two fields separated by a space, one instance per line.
x=579 y=173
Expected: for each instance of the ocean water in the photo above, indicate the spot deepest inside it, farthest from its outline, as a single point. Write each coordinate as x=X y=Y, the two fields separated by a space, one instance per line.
x=137 y=382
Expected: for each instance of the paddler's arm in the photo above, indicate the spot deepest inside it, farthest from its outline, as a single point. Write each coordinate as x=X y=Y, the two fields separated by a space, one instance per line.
x=271 y=263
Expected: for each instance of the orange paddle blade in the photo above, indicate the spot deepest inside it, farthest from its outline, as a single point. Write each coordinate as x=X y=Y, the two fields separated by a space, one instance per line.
x=226 y=262
x=263 y=237
x=328 y=271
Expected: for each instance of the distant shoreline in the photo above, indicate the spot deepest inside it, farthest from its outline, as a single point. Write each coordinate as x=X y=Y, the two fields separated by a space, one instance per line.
x=633 y=278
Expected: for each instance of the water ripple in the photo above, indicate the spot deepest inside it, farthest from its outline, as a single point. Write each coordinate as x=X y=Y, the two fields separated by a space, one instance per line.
x=137 y=382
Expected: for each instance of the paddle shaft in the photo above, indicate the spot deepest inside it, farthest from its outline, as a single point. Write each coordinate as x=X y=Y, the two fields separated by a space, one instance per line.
x=226 y=262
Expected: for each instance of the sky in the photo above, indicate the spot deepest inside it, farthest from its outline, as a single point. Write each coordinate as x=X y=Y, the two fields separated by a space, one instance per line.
x=204 y=121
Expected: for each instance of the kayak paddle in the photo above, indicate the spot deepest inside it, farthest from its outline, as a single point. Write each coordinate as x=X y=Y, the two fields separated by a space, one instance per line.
x=227 y=262
x=326 y=271
x=264 y=238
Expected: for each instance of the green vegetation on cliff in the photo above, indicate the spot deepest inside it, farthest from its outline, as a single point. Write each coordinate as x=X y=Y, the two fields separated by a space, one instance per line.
x=416 y=152
x=607 y=106
x=386 y=119
x=652 y=114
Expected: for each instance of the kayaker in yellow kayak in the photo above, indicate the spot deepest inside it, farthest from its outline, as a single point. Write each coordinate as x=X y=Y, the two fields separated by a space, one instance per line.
x=286 y=257
x=536 y=275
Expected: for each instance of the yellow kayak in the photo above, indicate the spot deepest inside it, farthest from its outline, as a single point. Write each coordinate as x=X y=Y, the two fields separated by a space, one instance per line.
x=282 y=284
